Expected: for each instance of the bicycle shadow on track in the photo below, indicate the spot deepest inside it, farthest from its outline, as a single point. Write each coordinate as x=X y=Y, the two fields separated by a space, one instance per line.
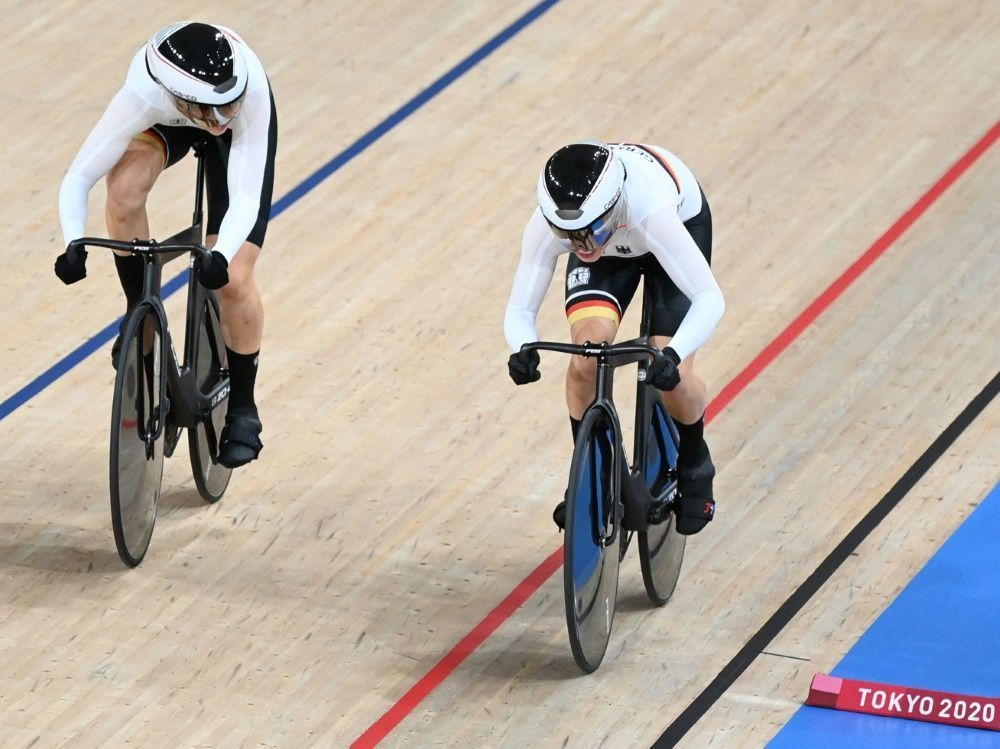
x=58 y=549
x=633 y=602
x=180 y=499
x=536 y=666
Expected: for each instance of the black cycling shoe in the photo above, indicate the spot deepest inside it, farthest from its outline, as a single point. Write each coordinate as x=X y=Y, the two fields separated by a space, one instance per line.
x=241 y=437
x=695 y=505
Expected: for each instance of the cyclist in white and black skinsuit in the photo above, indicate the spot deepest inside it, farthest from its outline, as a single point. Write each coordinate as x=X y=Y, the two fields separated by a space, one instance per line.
x=625 y=211
x=191 y=82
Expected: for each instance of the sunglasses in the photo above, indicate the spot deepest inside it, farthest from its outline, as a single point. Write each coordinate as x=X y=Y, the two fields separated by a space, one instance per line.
x=214 y=116
x=601 y=229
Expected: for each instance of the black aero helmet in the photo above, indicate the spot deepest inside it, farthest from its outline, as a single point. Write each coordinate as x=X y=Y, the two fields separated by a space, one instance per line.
x=580 y=184
x=198 y=63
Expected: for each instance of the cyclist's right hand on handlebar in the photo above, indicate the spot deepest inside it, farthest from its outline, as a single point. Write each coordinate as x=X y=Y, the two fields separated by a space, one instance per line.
x=523 y=367
x=71 y=266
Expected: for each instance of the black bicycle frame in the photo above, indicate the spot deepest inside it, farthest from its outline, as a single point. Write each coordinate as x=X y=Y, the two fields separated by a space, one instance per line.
x=630 y=482
x=187 y=404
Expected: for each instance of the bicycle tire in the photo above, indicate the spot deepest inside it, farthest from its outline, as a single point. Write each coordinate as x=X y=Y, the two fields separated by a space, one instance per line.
x=209 y=366
x=590 y=563
x=661 y=547
x=136 y=438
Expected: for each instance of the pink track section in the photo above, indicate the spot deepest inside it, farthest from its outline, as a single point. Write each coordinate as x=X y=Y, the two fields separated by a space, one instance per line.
x=524 y=590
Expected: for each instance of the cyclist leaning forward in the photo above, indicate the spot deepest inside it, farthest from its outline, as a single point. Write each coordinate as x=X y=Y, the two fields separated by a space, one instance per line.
x=191 y=82
x=625 y=211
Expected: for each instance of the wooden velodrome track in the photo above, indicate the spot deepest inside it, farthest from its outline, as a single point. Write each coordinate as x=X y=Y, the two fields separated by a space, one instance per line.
x=406 y=485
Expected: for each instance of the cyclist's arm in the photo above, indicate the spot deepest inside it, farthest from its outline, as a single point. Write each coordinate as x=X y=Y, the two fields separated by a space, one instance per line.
x=248 y=160
x=126 y=116
x=680 y=257
x=539 y=252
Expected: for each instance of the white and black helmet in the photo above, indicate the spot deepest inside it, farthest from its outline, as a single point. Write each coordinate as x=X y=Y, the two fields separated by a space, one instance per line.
x=579 y=189
x=198 y=63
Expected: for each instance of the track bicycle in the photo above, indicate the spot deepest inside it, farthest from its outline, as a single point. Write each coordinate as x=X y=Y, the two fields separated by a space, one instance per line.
x=608 y=500
x=155 y=397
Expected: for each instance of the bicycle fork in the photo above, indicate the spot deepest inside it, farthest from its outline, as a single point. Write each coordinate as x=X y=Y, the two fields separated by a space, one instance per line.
x=608 y=524
x=151 y=427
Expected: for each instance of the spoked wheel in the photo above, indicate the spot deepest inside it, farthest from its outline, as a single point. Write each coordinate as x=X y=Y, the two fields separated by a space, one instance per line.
x=137 y=427
x=591 y=547
x=211 y=376
x=661 y=547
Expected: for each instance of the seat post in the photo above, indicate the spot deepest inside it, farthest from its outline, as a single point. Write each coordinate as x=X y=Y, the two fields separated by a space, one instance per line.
x=196 y=219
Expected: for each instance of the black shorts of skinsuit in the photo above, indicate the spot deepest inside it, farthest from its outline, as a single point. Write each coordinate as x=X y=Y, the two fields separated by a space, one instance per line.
x=607 y=286
x=177 y=141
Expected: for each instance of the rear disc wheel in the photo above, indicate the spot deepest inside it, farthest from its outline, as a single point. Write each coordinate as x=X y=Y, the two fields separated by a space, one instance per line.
x=661 y=547
x=211 y=376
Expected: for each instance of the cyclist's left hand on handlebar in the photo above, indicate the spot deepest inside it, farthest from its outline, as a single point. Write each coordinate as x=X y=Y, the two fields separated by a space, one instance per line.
x=213 y=271
x=523 y=367
x=663 y=373
x=71 y=266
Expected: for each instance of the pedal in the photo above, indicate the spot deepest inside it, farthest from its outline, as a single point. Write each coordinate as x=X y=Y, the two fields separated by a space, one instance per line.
x=661 y=509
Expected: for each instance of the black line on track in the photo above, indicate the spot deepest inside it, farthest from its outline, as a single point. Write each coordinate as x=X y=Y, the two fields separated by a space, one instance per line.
x=794 y=603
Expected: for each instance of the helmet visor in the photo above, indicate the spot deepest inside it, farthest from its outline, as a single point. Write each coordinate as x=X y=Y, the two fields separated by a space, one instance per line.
x=600 y=229
x=213 y=116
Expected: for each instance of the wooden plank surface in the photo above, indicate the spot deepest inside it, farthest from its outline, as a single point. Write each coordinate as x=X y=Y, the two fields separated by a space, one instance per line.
x=405 y=486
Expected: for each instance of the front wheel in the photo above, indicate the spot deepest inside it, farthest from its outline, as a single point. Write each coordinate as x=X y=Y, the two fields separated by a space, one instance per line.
x=137 y=429
x=661 y=547
x=212 y=379
x=593 y=537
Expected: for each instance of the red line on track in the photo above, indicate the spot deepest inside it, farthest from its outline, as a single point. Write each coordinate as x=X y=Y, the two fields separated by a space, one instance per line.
x=457 y=654
x=835 y=289
x=405 y=705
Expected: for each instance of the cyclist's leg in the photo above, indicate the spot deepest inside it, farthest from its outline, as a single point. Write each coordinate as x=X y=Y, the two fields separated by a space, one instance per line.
x=128 y=186
x=686 y=403
x=695 y=470
x=242 y=328
x=129 y=183
x=597 y=295
x=581 y=376
x=581 y=380
x=241 y=306
x=240 y=301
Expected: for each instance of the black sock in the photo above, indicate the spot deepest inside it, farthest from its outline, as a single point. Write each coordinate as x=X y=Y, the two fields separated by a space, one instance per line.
x=692 y=447
x=574 y=424
x=242 y=375
x=130 y=273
